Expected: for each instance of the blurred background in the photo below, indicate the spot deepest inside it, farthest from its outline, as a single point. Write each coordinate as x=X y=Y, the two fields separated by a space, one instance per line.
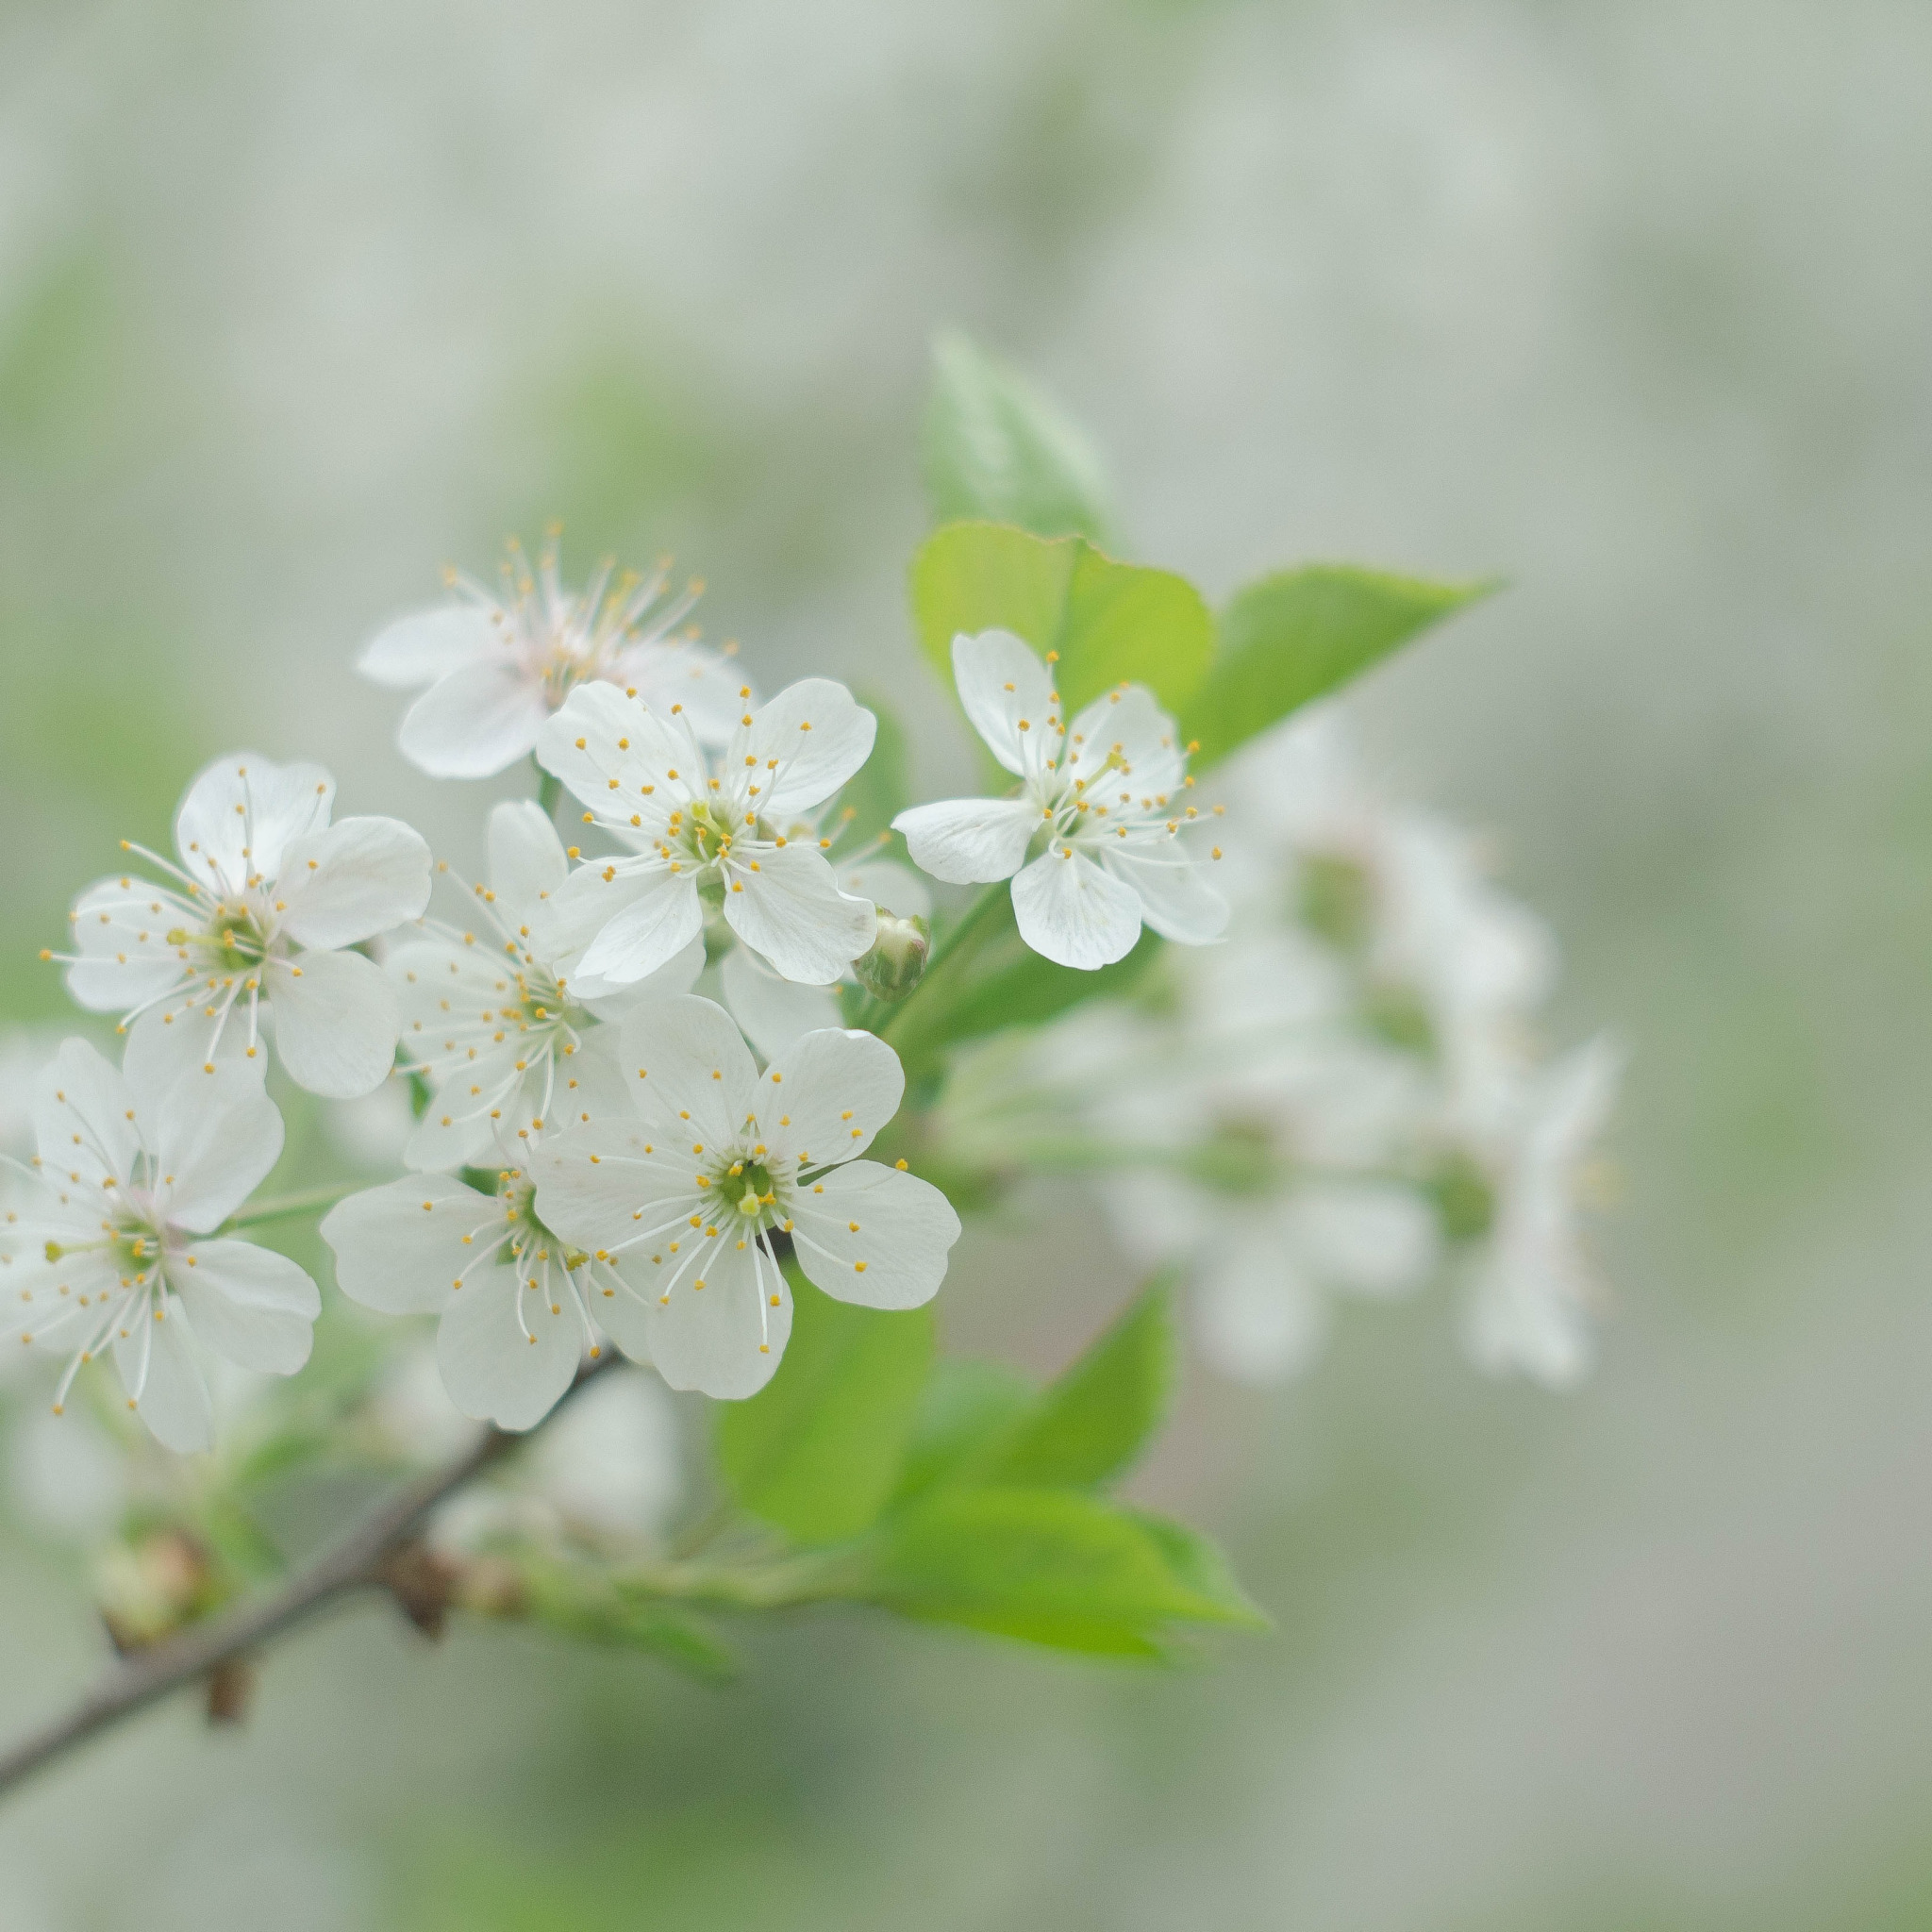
x=1631 y=304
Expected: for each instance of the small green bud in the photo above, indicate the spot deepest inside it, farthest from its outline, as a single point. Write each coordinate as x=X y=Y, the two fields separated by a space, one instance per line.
x=897 y=958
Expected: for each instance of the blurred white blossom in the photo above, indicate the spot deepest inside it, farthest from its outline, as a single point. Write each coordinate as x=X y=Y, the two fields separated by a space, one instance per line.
x=496 y=666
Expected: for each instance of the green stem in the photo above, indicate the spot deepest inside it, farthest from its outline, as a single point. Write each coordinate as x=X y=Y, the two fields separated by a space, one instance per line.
x=960 y=946
x=286 y=1206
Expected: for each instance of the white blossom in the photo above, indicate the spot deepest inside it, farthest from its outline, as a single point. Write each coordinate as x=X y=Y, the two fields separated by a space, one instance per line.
x=260 y=913
x=605 y=1473
x=1531 y=1294
x=503 y=1037
x=497 y=666
x=697 y=831
x=116 y=1243
x=680 y=1207
x=1102 y=801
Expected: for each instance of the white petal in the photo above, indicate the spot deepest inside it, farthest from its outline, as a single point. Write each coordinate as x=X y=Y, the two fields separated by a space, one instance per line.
x=677 y=974
x=725 y=1338
x=616 y=923
x=1371 y=1236
x=895 y=1257
x=165 y=1047
x=1069 y=911
x=84 y=1120
x=707 y=688
x=1126 y=748
x=336 y=1024
x=1258 y=1318
x=218 y=1135
x=399 y=1249
x=465 y=1120
x=970 y=841
x=647 y=760
x=360 y=878
x=254 y=1307
x=605 y=1184
x=774 y=1011
x=807 y=741
x=827 y=1095
x=527 y=860
x=1000 y=681
x=892 y=887
x=160 y=1363
x=689 y=1060
x=508 y=1352
x=121 y=928
x=420 y=648
x=241 y=812
x=1176 y=899
x=474 y=721
x=790 y=908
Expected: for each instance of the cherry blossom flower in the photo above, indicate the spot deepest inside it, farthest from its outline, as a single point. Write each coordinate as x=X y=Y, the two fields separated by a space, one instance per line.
x=262 y=911
x=682 y=1208
x=1531 y=1294
x=698 y=832
x=116 y=1242
x=1102 y=802
x=497 y=666
x=504 y=1039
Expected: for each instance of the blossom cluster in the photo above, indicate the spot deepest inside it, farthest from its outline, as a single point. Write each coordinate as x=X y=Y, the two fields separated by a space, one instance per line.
x=1348 y=1096
x=645 y=1052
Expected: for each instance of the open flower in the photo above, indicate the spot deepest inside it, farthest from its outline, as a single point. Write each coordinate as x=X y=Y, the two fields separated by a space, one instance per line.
x=1531 y=1294
x=1102 y=802
x=680 y=1210
x=110 y=1245
x=498 y=666
x=514 y=1298
x=507 y=1042
x=263 y=907
x=698 y=831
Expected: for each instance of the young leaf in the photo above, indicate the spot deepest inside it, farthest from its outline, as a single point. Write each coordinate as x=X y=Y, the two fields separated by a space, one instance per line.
x=1089 y=1424
x=1049 y=1566
x=1299 y=633
x=1107 y=621
x=817 y=1450
x=995 y=447
x=965 y=1409
x=578 y=1601
x=1204 y=1568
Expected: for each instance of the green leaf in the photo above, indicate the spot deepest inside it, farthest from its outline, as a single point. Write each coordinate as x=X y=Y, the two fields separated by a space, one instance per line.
x=995 y=447
x=1200 y=1565
x=817 y=1451
x=1049 y=1566
x=586 y=1604
x=1107 y=621
x=879 y=793
x=1297 y=634
x=1089 y=1425
x=965 y=1409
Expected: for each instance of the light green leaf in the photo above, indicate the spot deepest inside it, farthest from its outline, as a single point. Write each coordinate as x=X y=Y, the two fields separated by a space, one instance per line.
x=1049 y=1566
x=1297 y=634
x=966 y=1408
x=1107 y=621
x=817 y=1450
x=584 y=1603
x=1091 y=1422
x=1200 y=1565
x=995 y=447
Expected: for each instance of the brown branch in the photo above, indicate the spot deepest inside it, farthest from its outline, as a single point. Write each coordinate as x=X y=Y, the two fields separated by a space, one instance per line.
x=355 y=1562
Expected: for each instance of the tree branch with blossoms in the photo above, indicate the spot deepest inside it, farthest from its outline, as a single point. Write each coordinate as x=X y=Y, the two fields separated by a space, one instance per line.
x=707 y=1072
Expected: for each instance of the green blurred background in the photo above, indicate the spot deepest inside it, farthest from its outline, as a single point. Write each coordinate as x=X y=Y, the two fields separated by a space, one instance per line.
x=1631 y=303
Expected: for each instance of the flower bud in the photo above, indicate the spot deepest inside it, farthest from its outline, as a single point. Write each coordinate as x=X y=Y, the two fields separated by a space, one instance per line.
x=897 y=958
